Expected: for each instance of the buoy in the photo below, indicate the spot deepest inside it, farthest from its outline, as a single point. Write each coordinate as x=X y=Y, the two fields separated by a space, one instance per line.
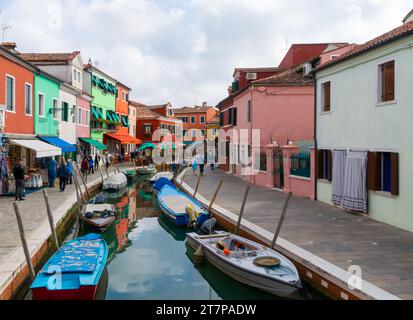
x=226 y=252
x=199 y=256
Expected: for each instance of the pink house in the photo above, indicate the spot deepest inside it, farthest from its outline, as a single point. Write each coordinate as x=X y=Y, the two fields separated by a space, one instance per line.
x=83 y=122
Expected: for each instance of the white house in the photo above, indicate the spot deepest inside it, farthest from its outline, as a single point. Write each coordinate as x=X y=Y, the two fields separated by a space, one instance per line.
x=364 y=112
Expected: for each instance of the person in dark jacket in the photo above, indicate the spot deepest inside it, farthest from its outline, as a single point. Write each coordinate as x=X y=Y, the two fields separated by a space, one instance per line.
x=84 y=168
x=18 y=172
x=97 y=161
x=62 y=173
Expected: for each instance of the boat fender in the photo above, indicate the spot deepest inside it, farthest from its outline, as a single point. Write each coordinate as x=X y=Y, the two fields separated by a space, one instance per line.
x=199 y=255
x=193 y=216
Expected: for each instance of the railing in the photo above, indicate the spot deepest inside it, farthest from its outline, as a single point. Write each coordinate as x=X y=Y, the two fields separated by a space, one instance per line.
x=301 y=165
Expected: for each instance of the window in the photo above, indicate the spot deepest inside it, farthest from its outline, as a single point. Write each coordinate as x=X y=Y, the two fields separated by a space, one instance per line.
x=74 y=75
x=326 y=96
x=79 y=116
x=203 y=133
x=65 y=111
x=263 y=161
x=185 y=119
x=221 y=119
x=147 y=129
x=202 y=119
x=10 y=89
x=184 y=132
x=78 y=76
x=324 y=165
x=234 y=116
x=117 y=94
x=173 y=129
x=73 y=114
x=28 y=98
x=123 y=96
x=41 y=105
x=87 y=117
x=55 y=106
x=383 y=172
x=192 y=120
x=193 y=133
x=386 y=82
x=249 y=110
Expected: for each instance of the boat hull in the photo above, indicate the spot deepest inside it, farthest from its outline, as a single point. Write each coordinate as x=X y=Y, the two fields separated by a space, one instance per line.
x=83 y=293
x=273 y=286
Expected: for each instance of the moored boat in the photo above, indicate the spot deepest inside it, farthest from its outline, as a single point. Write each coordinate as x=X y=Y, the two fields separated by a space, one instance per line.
x=180 y=208
x=147 y=170
x=160 y=184
x=130 y=174
x=159 y=175
x=115 y=182
x=98 y=215
x=248 y=262
x=73 y=272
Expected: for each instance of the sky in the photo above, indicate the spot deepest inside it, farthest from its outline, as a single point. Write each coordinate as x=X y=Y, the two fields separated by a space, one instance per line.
x=185 y=51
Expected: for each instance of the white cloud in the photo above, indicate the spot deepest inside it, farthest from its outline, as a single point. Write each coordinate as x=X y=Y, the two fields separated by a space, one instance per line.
x=185 y=51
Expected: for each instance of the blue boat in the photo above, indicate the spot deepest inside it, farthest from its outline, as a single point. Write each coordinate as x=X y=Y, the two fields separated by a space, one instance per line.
x=74 y=271
x=162 y=182
x=174 y=205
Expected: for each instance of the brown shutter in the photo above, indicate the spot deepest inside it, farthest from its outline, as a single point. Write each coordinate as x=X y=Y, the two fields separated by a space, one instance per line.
x=389 y=81
x=319 y=159
x=373 y=171
x=330 y=165
x=327 y=96
x=395 y=174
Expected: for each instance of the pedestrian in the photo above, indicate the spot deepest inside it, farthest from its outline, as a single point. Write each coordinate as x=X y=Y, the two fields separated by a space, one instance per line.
x=107 y=160
x=18 y=172
x=62 y=173
x=194 y=164
x=91 y=165
x=70 y=171
x=84 y=167
x=97 y=162
x=201 y=161
x=51 y=172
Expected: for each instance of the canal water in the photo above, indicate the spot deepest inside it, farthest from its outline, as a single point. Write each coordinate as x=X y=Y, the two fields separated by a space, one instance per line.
x=148 y=257
x=149 y=260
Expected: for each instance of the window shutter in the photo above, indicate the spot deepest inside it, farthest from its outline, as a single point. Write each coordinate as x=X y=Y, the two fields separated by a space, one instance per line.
x=395 y=174
x=373 y=171
x=319 y=164
x=327 y=96
x=330 y=165
x=389 y=81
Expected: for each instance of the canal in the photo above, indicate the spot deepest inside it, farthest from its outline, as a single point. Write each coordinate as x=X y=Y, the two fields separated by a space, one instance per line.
x=149 y=260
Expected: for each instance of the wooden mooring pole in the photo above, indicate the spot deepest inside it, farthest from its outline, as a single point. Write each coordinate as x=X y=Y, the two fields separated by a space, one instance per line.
x=215 y=195
x=241 y=213
x=183 y=177
x=50 y=217
x=197 y=185
x=280 y=223
x=83 y=180
x=101 y=174
x=24 y=242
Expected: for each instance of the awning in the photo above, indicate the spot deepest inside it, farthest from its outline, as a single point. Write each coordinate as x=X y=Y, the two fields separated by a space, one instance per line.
x=57 y=142
x=147 y=145
x=42 y=149
x=123 y=138
x=97 y=144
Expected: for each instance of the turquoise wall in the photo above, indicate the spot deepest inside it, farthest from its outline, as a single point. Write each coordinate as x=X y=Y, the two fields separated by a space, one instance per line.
x=45 y=125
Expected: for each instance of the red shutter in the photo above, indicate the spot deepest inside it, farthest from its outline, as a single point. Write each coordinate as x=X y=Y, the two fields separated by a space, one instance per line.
x=395 y=174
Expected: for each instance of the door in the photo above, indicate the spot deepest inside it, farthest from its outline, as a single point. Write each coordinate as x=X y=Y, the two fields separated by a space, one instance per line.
x=278 y=169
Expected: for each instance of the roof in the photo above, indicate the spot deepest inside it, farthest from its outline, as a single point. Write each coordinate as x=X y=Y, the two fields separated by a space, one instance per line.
x=4 y=51
x=39 y=58
x=391 y=36
x=159 y=106
x=301 y=52
x=137 y=104
x=290 y=77
x=143 y=112
x=90 y=66
x=258 y=69
x=196 y=109
x=408 y=16
x=123 y=86
x=214 y=119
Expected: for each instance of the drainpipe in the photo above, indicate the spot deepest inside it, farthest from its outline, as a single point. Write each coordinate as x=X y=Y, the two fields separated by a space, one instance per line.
x=315 y=132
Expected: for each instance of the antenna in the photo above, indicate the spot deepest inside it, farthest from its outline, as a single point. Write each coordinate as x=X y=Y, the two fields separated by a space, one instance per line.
x=286 y=45
x=4 y=28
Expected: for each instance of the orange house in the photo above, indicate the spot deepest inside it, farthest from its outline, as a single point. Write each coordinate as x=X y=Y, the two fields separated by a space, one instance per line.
x=122 y=107
x=16 y=94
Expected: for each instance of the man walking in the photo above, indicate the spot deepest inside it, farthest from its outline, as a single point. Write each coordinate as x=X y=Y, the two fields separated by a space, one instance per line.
x=70 y=170
x=84 y=168
x=18 y=172
x=51 y=172
x=62 y=173
x=97 y=162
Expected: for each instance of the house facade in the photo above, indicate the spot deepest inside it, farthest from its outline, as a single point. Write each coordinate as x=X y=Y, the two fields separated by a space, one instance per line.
x=363 y=112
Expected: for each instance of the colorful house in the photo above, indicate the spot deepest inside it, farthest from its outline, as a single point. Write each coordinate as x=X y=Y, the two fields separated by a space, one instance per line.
x=363 y=116
x=120 y=142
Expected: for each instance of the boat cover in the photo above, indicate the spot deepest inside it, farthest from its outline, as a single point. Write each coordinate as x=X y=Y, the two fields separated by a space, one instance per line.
x=115 y=182
x=162 y=182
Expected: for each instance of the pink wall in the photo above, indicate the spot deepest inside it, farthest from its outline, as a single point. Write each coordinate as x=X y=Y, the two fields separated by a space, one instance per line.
x=325 y=57
x=83 y=128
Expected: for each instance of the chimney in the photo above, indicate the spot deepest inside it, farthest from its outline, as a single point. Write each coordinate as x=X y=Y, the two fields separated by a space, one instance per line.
x=229 y=90
x=9 y=45
x=205 y=104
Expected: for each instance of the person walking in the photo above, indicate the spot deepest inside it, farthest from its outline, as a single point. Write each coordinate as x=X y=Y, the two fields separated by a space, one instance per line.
x=18 y=172
x=91 y=165
x=97 y=162
x=84 y=167
x=70 y=171
x=51 y=172
x=107 y=160
x=62 y=173
x=201 y=161
x=194 y=164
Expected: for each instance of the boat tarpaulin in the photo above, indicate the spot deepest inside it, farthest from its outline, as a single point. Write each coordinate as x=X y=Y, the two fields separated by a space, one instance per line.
x=42 y=149
x=97 y=144
x=57 y=142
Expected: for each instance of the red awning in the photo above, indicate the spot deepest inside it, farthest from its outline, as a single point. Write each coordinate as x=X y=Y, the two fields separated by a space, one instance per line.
x=122 y=138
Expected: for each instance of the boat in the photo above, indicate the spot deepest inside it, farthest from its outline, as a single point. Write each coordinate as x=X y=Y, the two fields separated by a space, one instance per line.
x=73 y=272
x=180 y=208
x=147 y=170
x=159 y=175
x=248 y=262
x=110 y=195
x=130 y=174
x=98 y=215
x=115 y=182
x=160 y=184
x=99 y=199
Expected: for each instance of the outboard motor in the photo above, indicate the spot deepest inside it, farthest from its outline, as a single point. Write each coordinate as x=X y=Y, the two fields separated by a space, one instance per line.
x=207 y=227
x=100 y=199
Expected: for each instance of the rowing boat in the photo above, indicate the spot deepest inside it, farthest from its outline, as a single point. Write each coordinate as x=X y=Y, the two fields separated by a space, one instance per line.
x=98 y=215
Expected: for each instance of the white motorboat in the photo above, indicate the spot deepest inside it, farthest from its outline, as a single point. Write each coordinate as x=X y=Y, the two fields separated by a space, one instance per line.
x=248 y=262
x=115 y=182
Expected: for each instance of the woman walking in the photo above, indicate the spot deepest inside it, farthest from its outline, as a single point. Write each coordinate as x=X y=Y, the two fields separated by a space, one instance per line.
x=70 y=171
x=84 y=167
x=62 y=173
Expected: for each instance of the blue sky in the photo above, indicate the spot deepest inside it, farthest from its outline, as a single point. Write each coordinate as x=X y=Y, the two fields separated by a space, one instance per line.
x=184 y=51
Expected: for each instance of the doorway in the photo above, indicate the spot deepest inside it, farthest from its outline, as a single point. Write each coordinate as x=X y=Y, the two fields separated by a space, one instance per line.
x=278 y=169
